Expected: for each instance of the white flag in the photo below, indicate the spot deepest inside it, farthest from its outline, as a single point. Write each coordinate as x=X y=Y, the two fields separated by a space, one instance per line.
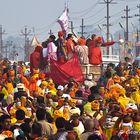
x=63 y=21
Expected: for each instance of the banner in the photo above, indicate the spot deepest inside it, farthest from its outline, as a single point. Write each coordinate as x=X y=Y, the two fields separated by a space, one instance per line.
x=60 y=73
x=63 y=21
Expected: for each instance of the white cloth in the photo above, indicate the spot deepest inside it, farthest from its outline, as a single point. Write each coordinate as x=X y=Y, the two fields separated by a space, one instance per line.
x=75 y=110
x=79 y=129
x=90 y=83
x=52 y=51
x=45 y=52
x=66 y=96
x=82 y=54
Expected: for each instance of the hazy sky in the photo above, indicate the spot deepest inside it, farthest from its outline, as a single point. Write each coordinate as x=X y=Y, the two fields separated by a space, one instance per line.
x=42 y=14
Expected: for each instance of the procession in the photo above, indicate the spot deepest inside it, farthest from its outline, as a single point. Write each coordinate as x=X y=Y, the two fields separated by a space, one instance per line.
x=71 y=87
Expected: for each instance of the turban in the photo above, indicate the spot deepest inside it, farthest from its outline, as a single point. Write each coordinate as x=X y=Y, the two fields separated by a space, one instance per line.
x=42 y=75
x=44 y=83
x=98 y=40
x=81 y=41
x=57 y=114
x=116 y=79
x=7 y=133
x=60 y=33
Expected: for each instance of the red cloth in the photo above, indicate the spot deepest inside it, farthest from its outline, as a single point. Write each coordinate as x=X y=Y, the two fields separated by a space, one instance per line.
x=91 y=45
x=35 y=58
x=69 y=45
x=95 y=56
x=107 y=44
x=60 y=73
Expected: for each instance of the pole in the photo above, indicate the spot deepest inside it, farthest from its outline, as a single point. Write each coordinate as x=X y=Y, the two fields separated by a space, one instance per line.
x=108 y=2
x=127 y=36
x=50 y=33
x=71 y=26
x=108 y=26
x=2 y=32
x=108 y=20
x=138 y=15
x=26 y=33
x=82 y=28
x=127 y=23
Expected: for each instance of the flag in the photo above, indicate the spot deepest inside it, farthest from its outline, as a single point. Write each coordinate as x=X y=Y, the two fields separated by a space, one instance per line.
x=63 y=21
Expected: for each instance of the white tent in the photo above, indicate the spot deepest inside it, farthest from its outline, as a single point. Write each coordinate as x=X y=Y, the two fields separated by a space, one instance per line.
x=35 y=42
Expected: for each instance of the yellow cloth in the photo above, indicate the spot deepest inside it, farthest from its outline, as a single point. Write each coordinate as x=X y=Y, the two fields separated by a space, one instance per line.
x=136 y=126
x=137 y=80
x=54 y=128
x=5 y=92
x=57 y=113
x=13 y=120
x=87 y=107
x=66 y=113
x=44 y=84
x=123 y=101
x=132 y=82
x=23 y=68
x=53 y=92
x=35 y=76
x=135 y=96
x=10 y=88
x=108 y=133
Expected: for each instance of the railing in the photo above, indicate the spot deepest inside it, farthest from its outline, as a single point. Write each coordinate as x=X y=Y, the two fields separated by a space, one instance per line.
x=111 y=58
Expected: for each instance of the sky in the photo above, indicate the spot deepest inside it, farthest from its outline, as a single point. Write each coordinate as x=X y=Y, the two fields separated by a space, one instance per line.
x=43 y=14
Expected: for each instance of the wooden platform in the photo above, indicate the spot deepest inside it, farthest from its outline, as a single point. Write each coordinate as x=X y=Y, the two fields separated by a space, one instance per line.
x=94 y=69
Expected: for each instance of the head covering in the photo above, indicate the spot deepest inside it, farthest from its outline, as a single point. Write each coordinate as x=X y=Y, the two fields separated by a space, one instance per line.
x=116 y=79
x=42 y=75
x=57 y=114
x=132 y=82
x=81 y=41
x=89 y=76
x=98 y=40
x=132 y=106
x=44 y=83
x=72 y=101
x=69 y=35
x=60 y=87
x=60 y=33
x=21 y=86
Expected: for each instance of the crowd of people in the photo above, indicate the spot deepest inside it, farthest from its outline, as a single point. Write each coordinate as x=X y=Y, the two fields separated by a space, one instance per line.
x=34 y=107
x=62 y=49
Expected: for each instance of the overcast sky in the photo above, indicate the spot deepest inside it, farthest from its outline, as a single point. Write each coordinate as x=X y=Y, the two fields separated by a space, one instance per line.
x=42 y=14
